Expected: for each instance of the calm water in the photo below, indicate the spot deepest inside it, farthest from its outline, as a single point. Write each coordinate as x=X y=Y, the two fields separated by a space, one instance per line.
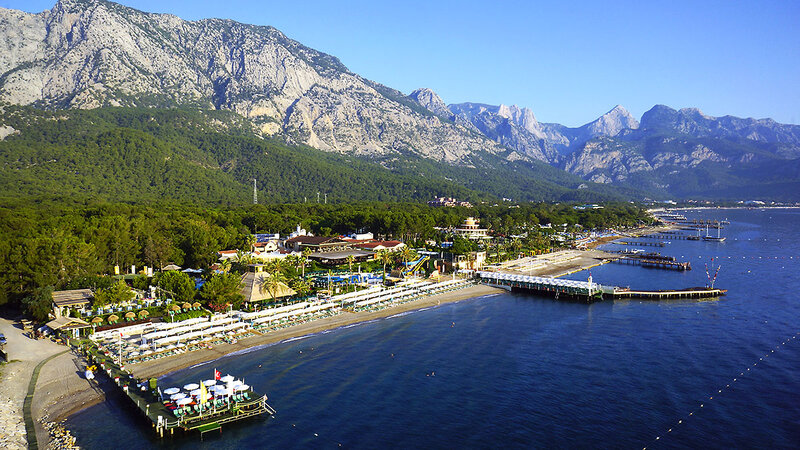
x=519 y=371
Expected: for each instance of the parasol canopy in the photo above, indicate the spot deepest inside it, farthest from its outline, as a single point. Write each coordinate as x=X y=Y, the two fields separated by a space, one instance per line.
x=210 y=382
x=183 y=401
x=172 y=390
x=191 y=386
x=177 y=396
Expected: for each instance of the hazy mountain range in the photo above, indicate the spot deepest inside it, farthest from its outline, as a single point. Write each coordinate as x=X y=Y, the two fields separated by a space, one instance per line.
x=91 y=53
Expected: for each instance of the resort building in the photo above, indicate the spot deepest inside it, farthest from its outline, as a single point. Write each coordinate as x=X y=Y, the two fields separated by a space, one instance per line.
x=340 y=257
x=470 y=261
x=256 y=288
x=317 y=244
x=392 y=246
x=471 y=230
x=67 y=326
x=75 y=299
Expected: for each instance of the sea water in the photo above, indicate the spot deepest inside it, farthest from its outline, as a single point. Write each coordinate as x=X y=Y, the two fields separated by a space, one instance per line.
x=522 y=371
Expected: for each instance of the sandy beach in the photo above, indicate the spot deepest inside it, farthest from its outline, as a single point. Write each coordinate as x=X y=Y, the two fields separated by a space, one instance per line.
x=61 y=389
x=163 y=366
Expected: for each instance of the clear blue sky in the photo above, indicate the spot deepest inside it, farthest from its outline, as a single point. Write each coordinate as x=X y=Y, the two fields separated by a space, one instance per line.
x=567 y=61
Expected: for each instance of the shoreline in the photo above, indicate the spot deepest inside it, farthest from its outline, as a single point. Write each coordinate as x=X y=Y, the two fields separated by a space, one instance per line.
x=80 y=398
x=80 y=394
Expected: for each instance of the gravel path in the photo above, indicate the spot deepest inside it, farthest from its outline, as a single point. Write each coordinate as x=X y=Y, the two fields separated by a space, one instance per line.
x=24 y=354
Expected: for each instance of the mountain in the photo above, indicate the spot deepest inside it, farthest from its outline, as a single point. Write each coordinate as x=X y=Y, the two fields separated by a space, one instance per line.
x=511 y=126
x=431 y=101
x=212 y=157
x=518 y=129
x=93 y=53
x=687 y=153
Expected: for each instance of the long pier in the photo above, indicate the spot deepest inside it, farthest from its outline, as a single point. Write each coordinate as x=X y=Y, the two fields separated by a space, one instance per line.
x=656 y=263
x=586 y=291
x=561 y=289
x=641 y=244
x=674 y=237
x=668 y=294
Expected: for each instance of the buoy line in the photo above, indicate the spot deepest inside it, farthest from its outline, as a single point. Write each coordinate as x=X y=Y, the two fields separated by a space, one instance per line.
x=719 y=391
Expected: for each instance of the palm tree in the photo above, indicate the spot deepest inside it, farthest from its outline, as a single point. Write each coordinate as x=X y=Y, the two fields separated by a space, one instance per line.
x=306 y=253
x=273 y=281
x=350 y=259
x=407 y=254
x=386 y=257
x=225 y=265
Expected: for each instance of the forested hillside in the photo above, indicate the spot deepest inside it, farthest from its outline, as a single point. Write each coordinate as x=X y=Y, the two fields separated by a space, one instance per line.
x=140 y=155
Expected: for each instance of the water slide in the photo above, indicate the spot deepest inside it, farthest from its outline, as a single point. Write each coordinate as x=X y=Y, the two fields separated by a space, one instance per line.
x=413 y=266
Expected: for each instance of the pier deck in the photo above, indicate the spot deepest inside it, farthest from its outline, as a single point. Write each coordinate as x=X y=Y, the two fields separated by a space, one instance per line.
x=556 y=287
x=586 y=290
x=640 y=243
x=244 y=405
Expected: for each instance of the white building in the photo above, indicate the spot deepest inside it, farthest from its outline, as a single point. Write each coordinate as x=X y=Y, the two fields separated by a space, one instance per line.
x=471 y=230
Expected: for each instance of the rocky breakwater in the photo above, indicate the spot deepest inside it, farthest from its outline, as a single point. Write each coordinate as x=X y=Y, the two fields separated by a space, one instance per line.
x=60 y=437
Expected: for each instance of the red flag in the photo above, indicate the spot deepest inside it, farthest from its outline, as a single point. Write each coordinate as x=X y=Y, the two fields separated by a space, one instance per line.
x=217 y=375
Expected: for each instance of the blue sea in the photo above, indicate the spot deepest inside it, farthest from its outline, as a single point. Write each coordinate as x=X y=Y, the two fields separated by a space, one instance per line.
x=522 y=371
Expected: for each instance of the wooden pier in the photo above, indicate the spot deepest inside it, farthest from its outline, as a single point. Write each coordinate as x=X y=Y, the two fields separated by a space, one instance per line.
x=201 y=418
x=641 y=244
x=699 y=292
x=674 y=237
x=655 y=263
x=587 y=291
x=560 y=289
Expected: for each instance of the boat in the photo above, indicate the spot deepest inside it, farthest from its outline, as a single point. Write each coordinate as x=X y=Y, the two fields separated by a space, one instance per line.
x=716 y=238
x=693 y=237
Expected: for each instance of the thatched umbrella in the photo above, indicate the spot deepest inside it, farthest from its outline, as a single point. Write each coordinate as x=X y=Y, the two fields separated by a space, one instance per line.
x=143 y=313
x=175 y=308
x=97 y=320
x=186 y=305
x=113 y=318
x=196 y=305
x=130 y=315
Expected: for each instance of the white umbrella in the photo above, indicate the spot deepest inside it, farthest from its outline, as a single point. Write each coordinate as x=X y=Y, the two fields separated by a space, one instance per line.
x=184 y=401
x=210 y=382
x=172 y=390
x=226 y=379
x=191 y=386
x=195 y=393
x=241 y=387
x=177 y=396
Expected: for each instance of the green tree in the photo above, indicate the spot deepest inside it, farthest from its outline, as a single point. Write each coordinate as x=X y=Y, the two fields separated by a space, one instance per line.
x=273 y=281
x=177 y=284
x=221 y=290
x=118 y=293
x=305 y=253
x=385 y=257
x=39 y=304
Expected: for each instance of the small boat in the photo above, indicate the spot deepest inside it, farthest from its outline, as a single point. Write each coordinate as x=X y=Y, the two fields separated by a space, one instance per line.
x=716 y=238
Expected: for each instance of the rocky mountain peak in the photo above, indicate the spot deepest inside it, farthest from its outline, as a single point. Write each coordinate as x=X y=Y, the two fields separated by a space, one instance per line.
x=522 y=117
x=431 y=101
x=612 y=122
